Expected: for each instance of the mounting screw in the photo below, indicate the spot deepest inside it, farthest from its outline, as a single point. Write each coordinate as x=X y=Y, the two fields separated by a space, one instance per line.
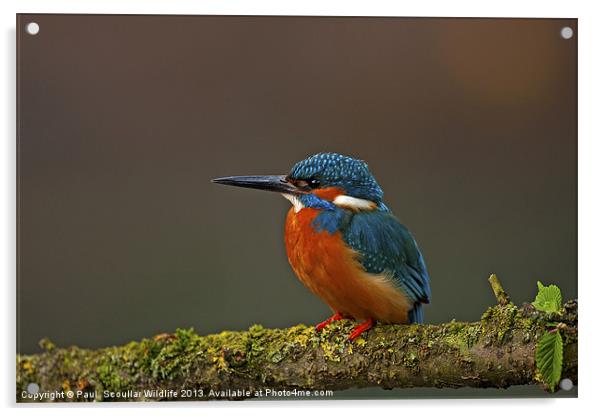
x=566 y=32
x=32 y=28
x=566 y=384
x=33 y=388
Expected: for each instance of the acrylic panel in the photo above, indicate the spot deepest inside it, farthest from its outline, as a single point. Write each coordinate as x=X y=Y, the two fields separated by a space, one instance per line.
x=141 y=279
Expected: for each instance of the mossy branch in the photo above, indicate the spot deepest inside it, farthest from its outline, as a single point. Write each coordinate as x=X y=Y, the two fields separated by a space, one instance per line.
x=497 y=351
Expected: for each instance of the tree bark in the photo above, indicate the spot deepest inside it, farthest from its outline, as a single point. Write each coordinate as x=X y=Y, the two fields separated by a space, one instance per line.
x=497 y=351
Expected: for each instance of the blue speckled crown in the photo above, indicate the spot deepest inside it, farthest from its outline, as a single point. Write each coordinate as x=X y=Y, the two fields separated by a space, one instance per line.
x=333 y=169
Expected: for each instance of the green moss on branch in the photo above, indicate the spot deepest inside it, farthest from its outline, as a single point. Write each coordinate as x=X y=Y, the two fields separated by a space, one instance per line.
x=497 y=351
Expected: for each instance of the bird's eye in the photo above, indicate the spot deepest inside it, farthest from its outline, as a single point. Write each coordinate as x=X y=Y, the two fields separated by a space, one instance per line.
x=313 y=183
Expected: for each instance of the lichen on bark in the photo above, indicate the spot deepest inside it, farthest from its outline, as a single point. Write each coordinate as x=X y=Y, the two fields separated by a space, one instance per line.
x=496 y=351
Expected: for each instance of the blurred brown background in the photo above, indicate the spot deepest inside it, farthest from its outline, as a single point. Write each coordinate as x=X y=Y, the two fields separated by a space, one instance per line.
x=468 y=124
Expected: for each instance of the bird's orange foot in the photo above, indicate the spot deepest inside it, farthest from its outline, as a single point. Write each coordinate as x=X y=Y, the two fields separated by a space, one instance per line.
x=336 y=317
x=364 y=326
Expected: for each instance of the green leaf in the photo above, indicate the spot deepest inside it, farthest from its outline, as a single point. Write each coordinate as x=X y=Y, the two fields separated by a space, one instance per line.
x=548 y=299
x=548 y=358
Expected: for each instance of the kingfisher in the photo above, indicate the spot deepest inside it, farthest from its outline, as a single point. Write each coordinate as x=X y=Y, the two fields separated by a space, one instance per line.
x=345 y=245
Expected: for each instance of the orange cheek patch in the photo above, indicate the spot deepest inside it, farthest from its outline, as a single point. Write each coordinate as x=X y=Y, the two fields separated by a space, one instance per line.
x=328 y=194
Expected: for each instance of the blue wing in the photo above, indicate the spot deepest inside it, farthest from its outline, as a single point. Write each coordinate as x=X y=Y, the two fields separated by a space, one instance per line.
x=387 y=246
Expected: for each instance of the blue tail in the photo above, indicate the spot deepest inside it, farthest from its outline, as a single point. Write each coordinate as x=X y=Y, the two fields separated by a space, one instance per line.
x=416 y=315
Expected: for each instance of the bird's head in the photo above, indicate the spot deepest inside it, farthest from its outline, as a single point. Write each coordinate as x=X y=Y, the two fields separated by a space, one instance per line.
x=324 y=177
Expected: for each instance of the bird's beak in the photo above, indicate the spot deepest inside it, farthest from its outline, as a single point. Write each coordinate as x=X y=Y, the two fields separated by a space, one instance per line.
x=274 y=183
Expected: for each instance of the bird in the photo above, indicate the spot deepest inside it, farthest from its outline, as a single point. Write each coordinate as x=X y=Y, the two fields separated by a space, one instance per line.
x=345 y=245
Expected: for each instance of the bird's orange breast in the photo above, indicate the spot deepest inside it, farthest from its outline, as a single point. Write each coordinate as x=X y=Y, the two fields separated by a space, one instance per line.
x=332 y=271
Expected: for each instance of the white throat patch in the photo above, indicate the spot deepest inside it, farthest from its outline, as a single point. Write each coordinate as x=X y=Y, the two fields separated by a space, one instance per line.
x=343 y=201
x=297 y=204
x=354 y=204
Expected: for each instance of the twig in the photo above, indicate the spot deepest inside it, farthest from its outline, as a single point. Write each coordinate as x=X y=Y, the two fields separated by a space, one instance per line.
x=499 y=292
